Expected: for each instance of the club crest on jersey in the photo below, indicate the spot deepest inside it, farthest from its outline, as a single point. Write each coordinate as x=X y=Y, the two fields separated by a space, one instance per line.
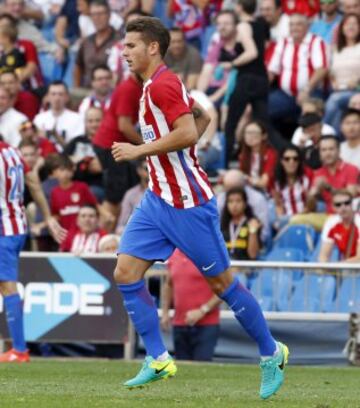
x=148 y=133
x=75 y=197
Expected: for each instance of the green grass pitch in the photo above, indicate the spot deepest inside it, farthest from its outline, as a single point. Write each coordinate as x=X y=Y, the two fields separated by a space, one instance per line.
x=87 y=384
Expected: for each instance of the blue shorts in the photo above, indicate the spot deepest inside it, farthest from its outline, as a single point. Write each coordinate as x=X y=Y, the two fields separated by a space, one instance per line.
x=155 y=229
x=10 y=247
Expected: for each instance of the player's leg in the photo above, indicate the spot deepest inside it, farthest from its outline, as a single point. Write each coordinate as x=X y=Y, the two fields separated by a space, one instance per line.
x=9 y=252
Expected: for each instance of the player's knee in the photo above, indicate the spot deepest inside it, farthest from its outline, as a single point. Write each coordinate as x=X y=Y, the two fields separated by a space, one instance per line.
x=221 y=282
x=123 y=274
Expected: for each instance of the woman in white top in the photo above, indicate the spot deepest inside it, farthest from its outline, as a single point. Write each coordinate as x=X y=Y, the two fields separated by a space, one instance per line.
x=345 y=69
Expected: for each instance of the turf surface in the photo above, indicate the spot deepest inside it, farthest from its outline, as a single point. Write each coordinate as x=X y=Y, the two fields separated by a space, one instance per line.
x=87 y=384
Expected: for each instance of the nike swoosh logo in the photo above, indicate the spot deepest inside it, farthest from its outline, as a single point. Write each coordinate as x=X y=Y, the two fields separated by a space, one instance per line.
x=159 y=370
x=206 y=268
x=282 y=365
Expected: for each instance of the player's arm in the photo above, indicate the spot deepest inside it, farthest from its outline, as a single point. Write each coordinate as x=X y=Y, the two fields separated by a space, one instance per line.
x=201 y=117
x=36 y=191
x=126 y=126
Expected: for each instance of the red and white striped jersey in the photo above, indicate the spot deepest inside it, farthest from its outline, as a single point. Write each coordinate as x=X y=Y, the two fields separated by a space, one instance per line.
x=296 y=63
x=12 y=211
x=78 y=243
x=176 y=177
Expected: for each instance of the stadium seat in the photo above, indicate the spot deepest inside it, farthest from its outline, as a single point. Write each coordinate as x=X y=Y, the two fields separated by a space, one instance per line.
x=273 y=288
x=348 y=299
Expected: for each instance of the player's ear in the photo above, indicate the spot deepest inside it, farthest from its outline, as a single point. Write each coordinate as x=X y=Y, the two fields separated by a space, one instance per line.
x=154 y=48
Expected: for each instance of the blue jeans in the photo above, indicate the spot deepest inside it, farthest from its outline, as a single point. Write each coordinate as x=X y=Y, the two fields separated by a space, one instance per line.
x=281 y=105
x=195 y=342
x=335 y=106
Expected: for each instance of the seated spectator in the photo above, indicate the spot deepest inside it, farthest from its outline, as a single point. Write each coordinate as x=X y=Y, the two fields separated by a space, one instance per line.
x=85 y=236
x=292 y=183
x=257 y=201
x=82 y=154
x=101 y=86
x=241 y=230
x=183 y=59
x=300 y=62
x=334 y=174
x=95 y=48
x=311 y=105
x=59 y=124
x=354 y=102
x=23 y=101
x=350 y=129
x=197 y=317
x=257 y=158
x=325 y=24
x=341 y=230
x=29 y=132
x=344 y=69
x=10 y=119
x=69 y=196
x=133 y=196
x=108 y=244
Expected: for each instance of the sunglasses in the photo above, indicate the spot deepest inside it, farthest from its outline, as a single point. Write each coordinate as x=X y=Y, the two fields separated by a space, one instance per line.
x=289 y=158
x=341 y=203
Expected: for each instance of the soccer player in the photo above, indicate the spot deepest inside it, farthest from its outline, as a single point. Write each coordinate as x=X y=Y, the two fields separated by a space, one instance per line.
x=178 y=210
x=13 y=229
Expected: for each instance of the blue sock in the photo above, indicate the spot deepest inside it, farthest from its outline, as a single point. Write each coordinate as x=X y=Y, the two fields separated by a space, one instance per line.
x=249 y=314
x=14 y=316
x=143 y=313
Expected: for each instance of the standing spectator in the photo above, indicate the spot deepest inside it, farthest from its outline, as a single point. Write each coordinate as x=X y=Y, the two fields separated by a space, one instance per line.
x=344 y=70
x=350 y=129
x=257 y=158
x=183 y=59
x=133 y=196
x=29 y=132
x=101 y=85
x=196 y=320
x=341 y=230
x=241 y=230
x=292 y=183
x=94 y=49
x=251 y=80
x=300 y=62
x=23 y=101
x=10 y=119
x=334 y=174
x=118 y=122
x=59 y=124
x=327 y=22
x=86 y=235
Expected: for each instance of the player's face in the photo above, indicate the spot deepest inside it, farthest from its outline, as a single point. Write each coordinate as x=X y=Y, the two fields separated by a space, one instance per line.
x=236 y=205
x=87 y=220
x=136 y=53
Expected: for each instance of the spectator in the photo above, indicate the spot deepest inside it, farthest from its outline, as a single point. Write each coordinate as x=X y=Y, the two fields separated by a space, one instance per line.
x=29 y=132
x=257 y=158
x=196 y=319
x=94 y=49
x=86 y=235
x=240 y=228
x=300 y=62
x=133 y=196
x=183 y=59
x=251 y=80
x=350 y=128
x=59 y=124
x=351 y=7
x=82 y=154
x=341 y=230
x=69 y=196
x=10 y=119
x=314 y=106
x=344 y=70
x=223 y=48
x=334 y=174
x=278 y=21
x=354 y=102
x=292 y=183
x=327 y=22
x=101 y=86
x=109 y=244
x=118 y=122
x=23 y=101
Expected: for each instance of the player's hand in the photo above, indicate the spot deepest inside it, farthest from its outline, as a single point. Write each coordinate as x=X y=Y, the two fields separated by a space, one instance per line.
x=165 y=322
x=56 y=230
x=124 y=152
x=193 y=316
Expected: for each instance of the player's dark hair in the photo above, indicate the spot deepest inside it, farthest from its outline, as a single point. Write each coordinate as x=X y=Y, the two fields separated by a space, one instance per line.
x=102 y=67
x=226 y=216
x=350 y=112
x=227 y=12
x=151 y=30
x=249 y=6
x=330 y=137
